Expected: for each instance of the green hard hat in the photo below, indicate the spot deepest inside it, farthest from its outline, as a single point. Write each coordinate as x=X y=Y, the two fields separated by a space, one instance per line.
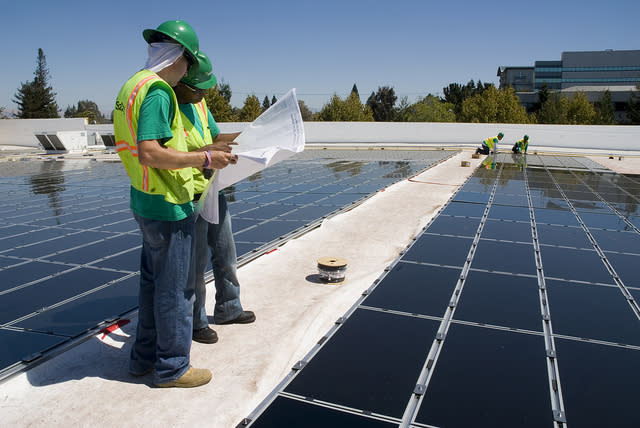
x=178 y=31
x=500 y=135
x=202 y=76
x=526 y=137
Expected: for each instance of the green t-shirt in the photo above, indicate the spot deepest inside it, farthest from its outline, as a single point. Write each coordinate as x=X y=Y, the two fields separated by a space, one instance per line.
x=154 y=123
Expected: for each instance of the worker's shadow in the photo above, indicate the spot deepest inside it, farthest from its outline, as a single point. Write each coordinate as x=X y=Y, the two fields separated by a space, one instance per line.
x=105 y=356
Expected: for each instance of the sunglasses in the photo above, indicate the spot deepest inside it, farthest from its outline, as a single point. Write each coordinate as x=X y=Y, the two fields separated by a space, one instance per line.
x=192 y=88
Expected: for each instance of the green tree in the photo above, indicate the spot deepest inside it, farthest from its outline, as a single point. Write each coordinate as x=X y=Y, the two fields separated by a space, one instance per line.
x=493 y=106
x=2 y=115
x=382 y=103
x=481 y=87
x=273 y=100
x=71 y=111
x=217 y=99
x=553 y=109
x=543 y=95
x=306 y=114
x=85 y=108
x=225 y=90
x=431 y=109
x=402 y=111
x=349 y=110
x=633 y=107
x=579 y=110
x=36 y=99
x=605 y=112
x=265 y=103
x=456 y=93
x=354 y=90
x=250 y=110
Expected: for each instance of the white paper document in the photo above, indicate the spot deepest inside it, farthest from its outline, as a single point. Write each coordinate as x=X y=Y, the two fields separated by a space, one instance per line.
x=275 y=135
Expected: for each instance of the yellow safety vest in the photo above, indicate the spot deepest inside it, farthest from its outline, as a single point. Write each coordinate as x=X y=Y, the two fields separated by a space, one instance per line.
x=176 y=185
x=489 y=142
x=522 y=145
x=195 y=140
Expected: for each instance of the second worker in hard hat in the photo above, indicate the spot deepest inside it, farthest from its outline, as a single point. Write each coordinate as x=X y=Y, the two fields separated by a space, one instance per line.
x=213 y=241
x=521 y=145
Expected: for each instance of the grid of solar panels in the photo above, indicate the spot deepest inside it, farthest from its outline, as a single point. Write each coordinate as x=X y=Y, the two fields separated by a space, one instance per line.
x=516 y=306
x=69 y=246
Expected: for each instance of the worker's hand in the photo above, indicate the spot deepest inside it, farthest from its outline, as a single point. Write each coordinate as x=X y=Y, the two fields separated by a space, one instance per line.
x=221 y=146
x=221 y=159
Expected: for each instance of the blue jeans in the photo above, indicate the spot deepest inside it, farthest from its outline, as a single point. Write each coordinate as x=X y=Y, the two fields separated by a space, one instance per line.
x=484 y=150
x=216 y=239
x=165 y=313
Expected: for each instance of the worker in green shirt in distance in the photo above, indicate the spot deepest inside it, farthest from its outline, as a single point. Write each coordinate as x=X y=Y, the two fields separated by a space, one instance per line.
x=490 y=145
x=521 y=145
x=213 y=241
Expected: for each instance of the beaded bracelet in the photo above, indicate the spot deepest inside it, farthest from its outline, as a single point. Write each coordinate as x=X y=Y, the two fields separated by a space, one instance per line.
x=207 y=161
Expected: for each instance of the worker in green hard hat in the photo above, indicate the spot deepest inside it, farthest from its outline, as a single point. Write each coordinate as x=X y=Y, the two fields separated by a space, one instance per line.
x=213 y=241
x=151 y=144
x=490 y=145
x=521 y=145
x=175 y=32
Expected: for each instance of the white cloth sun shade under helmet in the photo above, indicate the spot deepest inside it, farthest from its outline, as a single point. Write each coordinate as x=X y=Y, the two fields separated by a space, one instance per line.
x=162 y=55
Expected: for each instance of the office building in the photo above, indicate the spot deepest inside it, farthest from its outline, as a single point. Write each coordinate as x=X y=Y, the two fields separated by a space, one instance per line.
x=591 y=72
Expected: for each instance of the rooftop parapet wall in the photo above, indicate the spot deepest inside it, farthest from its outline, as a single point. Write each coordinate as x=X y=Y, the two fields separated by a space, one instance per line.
x=574 y=137
x=577 y=138
x=22 y=132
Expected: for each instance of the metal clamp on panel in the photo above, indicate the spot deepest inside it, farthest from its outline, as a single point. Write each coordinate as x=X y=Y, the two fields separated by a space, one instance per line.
x=551 y=353
x=299 y=365
x=243 y=423
x=340 y=320
x=558 y=416
x=420 y=389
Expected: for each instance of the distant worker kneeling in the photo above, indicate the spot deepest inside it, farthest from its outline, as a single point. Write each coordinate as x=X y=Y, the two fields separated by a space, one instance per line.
x=521 y=145
x=490 y=145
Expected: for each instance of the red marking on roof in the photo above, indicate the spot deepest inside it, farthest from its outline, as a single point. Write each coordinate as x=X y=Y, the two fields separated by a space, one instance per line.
x=113 y=327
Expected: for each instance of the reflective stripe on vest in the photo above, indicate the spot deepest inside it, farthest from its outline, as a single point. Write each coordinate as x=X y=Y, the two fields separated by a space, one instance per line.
x=195 y=140
x=489 y=141
x=175 y=185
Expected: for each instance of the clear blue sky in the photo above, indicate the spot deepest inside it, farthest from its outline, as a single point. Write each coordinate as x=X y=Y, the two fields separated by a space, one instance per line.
x=318 y=47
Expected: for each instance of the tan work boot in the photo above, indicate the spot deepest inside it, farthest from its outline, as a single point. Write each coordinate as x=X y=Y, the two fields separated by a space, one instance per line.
x=192 y=378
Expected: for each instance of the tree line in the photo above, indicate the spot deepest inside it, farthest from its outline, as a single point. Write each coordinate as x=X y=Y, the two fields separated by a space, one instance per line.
x=473 y=102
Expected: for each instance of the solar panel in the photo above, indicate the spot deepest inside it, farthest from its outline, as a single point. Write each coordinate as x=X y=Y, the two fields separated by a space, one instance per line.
x=502 y=300
x=485 y=376
x=599 y=383
x=430 y=288
x=531 y=311
x=69 y=246
x=351 y=370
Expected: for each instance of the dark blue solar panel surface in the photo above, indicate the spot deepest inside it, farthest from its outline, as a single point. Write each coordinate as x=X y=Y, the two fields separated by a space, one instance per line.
x=534 y=308
x=69 y=246
x=352 y=371
x=482 y=370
